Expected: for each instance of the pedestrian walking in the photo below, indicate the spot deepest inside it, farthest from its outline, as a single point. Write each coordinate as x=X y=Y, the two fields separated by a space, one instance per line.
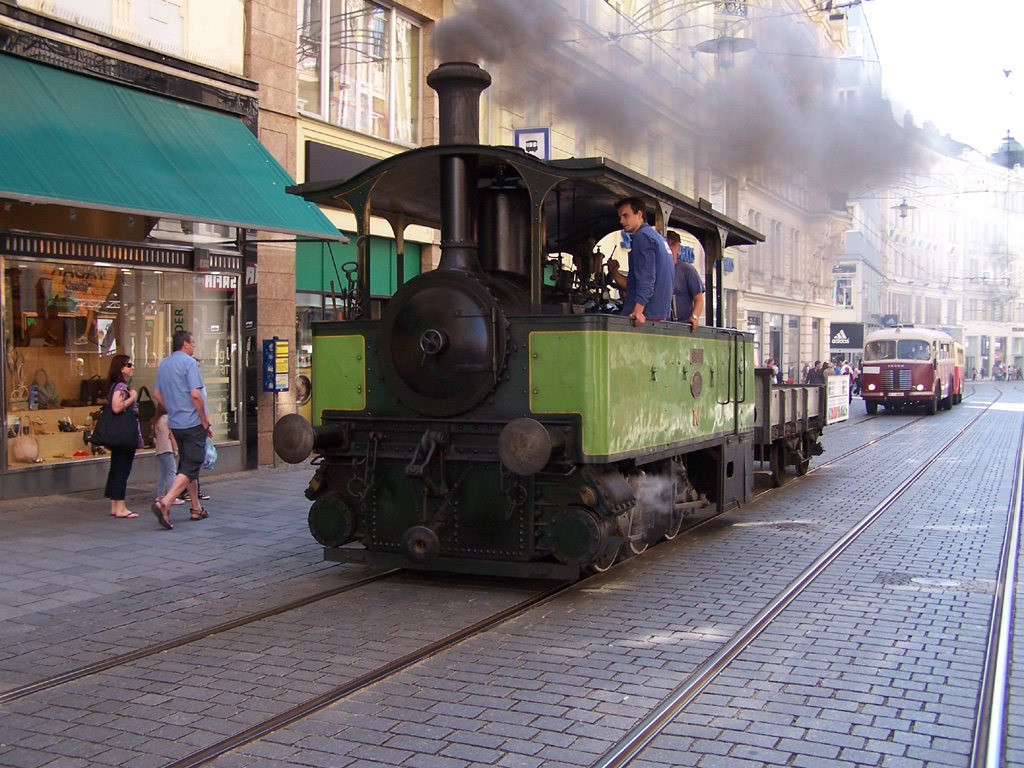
x=180 y=390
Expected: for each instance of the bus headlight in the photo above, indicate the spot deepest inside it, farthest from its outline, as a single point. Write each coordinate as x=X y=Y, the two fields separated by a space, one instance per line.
x=871 y=387
x=920 y=387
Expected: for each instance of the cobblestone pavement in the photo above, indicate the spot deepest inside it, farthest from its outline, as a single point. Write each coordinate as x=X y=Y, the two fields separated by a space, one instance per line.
x=876 y=665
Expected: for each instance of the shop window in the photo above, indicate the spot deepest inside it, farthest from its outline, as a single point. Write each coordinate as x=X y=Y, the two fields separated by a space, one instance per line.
x=65 y=321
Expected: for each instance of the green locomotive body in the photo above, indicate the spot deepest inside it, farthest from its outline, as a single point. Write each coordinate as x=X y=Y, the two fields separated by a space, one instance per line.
x=617 y=403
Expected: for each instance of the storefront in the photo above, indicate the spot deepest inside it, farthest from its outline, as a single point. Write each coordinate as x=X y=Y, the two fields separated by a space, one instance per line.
x=125 y=216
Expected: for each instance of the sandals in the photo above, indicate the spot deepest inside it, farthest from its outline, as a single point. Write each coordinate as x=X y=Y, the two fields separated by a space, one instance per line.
x=161 y=515
x=199 y=514
x=126 y=516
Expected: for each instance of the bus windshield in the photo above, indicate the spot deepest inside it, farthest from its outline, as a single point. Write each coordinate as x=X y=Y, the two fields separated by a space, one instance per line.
x=898 y=349
x=880 y=350
x=913 y=349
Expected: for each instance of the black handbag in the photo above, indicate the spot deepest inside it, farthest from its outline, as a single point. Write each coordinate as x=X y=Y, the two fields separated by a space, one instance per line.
x=147 y=406
x=147 y=415
x=116 y=430
x=92 y=390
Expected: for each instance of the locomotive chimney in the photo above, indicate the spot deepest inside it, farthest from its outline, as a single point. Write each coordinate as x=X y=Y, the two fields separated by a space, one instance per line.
x=458 y=85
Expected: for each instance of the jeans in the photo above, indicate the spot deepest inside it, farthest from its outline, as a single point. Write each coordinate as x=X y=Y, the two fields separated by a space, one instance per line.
x=168 y=469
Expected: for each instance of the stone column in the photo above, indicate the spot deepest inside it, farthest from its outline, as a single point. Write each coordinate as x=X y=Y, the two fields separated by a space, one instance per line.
x=270 y=61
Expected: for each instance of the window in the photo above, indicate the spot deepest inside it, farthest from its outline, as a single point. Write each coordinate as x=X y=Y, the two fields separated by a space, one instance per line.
x=368 y=81
x=843 y=293
x=880 y=350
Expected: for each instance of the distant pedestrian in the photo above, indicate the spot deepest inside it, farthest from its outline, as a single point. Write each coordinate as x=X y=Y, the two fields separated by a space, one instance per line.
x=180 y=390
x=121 y=459
x=817 y=374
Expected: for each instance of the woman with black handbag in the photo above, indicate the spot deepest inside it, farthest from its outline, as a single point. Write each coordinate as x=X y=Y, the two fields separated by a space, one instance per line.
x=121 y=399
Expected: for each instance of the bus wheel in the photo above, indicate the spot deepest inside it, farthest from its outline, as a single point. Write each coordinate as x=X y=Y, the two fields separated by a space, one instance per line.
x=871 y=407
x=930 y=407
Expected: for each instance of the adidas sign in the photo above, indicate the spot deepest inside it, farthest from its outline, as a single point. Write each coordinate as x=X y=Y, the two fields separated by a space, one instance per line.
x=840 y=339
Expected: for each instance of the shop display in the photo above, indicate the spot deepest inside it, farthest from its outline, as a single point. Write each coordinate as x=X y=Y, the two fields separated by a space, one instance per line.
x=64 y=321
x=58 y=434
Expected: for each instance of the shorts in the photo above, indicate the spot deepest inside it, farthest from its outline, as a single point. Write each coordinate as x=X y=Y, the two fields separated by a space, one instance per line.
x=191 y=450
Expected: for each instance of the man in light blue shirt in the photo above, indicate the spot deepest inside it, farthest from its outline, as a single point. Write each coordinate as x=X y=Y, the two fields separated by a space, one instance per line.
x=180 y=390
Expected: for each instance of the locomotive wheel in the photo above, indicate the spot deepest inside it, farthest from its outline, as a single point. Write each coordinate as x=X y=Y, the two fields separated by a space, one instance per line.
x=802 y=465
x=604 y=562
x=675 y=524
x=777 y=464
x=636 y=537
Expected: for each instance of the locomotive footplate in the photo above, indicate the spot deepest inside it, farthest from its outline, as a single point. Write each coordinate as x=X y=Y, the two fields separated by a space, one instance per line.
x=527 y=570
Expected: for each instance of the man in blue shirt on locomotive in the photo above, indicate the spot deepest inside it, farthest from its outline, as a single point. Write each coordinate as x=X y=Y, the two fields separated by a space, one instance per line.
x=649 y=282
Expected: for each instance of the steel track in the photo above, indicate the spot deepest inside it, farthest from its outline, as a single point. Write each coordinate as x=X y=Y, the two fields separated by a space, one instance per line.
x=126 y=658
x=300 y=711
x=646 y=730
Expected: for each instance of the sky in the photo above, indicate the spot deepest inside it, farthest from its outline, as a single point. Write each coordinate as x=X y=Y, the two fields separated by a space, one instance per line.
x=944 y=60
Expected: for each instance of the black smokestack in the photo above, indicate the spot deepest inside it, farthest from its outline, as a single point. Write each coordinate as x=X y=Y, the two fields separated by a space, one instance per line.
x=458 y=85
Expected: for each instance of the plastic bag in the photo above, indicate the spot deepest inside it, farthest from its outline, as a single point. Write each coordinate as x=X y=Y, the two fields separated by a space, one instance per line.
x=211 y=454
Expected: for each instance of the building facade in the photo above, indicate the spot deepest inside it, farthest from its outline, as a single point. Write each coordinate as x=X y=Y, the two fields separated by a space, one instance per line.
x=144 y=176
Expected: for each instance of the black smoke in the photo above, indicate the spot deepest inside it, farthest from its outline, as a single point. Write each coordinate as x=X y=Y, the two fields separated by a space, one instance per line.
x=775 y=108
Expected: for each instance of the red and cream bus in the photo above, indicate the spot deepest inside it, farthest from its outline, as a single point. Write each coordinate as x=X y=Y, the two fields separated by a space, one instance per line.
x=906 y=366
x=960 y=375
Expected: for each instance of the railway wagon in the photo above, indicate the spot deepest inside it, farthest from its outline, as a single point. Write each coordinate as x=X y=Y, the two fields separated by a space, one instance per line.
x=906 y=366
x=789 y=419
x=492 y=421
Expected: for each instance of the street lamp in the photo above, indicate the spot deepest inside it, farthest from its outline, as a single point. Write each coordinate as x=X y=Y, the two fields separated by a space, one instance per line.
x=729 y=15
x=903 y=208
x=725 y=47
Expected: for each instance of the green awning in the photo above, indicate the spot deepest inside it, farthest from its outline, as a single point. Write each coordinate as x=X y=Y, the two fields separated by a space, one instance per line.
x=75 y=140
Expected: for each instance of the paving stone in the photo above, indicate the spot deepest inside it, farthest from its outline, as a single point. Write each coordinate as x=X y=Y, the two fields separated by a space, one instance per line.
x=867 y=667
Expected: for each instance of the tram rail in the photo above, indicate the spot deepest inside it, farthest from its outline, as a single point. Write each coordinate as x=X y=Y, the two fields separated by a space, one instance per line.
x=991 y=710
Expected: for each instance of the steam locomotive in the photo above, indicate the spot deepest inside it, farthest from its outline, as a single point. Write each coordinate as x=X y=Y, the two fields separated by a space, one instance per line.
x=493 y=421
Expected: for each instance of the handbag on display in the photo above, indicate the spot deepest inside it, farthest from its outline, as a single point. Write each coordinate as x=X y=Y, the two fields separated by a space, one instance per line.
x=24 y=446
x=147 y=414
x=92 y=390
x=46 y=390
x=147 y=406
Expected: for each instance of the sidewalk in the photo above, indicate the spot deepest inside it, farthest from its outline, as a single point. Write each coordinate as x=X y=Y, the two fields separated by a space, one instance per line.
x=66 y=550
